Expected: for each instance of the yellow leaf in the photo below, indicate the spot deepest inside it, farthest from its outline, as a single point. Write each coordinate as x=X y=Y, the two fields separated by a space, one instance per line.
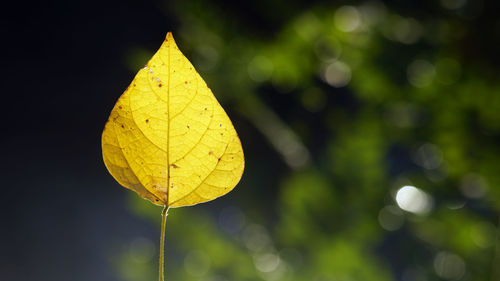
x=168 y=138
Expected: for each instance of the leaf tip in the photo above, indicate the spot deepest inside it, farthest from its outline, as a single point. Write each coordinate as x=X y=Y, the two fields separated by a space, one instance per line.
x=169 y=36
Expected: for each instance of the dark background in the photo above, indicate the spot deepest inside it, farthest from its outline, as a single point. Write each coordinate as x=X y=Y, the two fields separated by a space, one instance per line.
x=65 y=63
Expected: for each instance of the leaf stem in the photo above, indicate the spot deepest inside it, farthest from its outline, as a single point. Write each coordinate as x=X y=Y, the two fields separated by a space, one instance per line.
x=164 y=214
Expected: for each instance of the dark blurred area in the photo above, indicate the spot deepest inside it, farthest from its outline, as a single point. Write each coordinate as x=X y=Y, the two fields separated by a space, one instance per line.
x=371 y=131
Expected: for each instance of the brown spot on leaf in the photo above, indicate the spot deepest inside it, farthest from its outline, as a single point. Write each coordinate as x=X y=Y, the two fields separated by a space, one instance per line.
x=123 y=126
x=147 y=120
x=188 y=126
x=185 y=82
x=120 y=107
x=159 y=85
x=210 y=153
x=174 y=166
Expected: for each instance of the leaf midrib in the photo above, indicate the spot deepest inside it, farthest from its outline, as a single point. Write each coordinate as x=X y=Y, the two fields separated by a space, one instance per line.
x=168 y=124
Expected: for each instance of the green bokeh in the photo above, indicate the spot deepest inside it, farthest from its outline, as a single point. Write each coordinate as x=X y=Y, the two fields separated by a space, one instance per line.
x=348 y=103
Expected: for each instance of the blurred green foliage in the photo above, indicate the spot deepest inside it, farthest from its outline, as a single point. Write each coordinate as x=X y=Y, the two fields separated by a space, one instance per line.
x=372 y=144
